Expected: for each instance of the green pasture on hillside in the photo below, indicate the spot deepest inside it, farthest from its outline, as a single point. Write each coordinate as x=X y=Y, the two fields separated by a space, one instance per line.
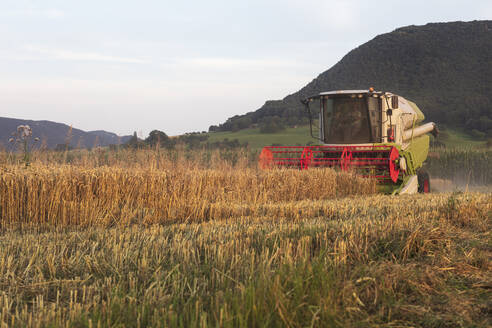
x=459 y=139
x=256 y=140
x=301 y=136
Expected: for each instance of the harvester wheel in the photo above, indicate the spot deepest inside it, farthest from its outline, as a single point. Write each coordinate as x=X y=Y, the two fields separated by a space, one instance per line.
x=424 y=181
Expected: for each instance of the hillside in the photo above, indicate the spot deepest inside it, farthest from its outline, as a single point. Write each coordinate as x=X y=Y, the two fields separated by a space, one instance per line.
x=446 y=68
x=52 y=134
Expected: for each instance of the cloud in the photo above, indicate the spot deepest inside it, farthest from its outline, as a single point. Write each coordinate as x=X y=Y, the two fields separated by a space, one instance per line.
x=69 y=55
x=334 y=14
x=229 y=62
x=34 y=12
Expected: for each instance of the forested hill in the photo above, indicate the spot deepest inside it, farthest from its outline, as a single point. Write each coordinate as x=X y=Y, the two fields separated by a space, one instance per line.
x=52 y=134
x=446 y=68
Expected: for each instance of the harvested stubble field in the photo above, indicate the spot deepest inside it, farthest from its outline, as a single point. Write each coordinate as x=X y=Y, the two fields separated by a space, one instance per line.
x=175 y=244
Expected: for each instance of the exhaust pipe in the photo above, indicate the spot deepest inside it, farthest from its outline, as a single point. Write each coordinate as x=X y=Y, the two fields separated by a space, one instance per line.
x=420 y=130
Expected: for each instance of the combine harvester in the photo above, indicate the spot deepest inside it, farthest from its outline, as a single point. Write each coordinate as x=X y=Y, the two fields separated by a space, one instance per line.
x=373 y=133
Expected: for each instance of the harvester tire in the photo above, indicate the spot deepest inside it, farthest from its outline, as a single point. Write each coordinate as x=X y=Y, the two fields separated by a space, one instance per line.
x=424 y=181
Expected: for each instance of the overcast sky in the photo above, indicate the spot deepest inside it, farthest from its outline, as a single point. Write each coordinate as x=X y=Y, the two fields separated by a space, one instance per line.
x=180 y=66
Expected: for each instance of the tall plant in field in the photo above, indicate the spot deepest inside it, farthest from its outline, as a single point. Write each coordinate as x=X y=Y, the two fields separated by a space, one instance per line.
x=23 y=138
x=462 y=165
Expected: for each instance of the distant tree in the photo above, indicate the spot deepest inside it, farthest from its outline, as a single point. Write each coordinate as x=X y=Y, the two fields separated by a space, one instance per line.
x=156 y=137
x=192 y=140
x=242 y=123
x=272 y=125
x=134 y=142
x=159 y=138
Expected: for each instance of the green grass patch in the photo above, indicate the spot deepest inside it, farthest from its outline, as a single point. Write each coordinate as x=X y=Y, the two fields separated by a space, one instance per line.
x=451 y=138
x=257 y=140
x=456 y=138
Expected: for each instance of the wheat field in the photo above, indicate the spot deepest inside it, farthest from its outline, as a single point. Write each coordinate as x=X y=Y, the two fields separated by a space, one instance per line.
x=156 y=239
x=71 y=196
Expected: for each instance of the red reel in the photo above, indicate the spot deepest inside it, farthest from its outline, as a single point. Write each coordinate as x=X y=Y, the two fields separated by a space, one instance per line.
x=375 y=161
x=266 y=159
x=307 y=155
x=394 y=171
x=346 y=159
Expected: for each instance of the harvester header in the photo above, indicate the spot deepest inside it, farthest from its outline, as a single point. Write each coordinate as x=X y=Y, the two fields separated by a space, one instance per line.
x=373 y=133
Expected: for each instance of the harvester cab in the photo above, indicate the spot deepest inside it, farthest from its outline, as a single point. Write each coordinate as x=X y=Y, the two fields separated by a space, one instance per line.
x=372 y=133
